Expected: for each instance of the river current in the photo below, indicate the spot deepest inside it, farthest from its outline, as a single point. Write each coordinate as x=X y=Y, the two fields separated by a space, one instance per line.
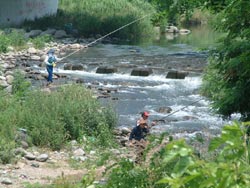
x=134 y=94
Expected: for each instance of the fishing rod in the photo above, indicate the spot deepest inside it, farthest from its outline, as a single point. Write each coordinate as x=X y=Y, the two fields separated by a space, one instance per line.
x=87 y=45
x=181 y=109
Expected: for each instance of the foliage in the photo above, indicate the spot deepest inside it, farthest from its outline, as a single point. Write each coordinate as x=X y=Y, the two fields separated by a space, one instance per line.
x=170 y=11
x=92 y=17
x=216 y=5
x=68 y=113
x=40 y=41
x=127 y=175
x=229 y=169
x=177 y=165
x=78 y=114
x=6 y=151
x=13 y=38
x=226 y=81
x=7 y=130
x=20 y=85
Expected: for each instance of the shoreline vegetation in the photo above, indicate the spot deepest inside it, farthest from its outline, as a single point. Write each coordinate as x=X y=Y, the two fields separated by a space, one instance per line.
x=53 y=120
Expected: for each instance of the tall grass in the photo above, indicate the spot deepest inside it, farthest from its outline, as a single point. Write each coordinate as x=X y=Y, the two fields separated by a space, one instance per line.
x=16 y=39
x=52 y=119
x=91 y=17
x=12 y=38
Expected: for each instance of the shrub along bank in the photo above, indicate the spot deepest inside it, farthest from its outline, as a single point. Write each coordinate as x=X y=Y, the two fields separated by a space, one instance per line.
x=11 y=38
x=52 y=119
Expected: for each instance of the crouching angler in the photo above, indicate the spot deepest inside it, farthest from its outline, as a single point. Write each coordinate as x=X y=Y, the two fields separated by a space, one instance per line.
x=141 y=130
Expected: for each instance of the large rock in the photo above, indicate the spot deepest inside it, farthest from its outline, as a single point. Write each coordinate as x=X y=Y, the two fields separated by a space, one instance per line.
x=172 y=29
x=77 y=66
x=176 y=74
x=60 y=34
x=33 y=33
x=164 y=110
x=106 y=70
x=141 y=72
x=42 y=158
x=48 y=32
x=67 y=66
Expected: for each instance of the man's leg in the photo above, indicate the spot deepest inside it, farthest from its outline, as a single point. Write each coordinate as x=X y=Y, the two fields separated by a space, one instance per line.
x=50 y=73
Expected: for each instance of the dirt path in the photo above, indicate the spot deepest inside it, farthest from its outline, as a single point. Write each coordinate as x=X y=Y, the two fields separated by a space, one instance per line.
x=45 y=173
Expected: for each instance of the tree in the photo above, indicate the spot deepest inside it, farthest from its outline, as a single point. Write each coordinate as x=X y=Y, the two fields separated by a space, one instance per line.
x=171 y=10
x=227 y=79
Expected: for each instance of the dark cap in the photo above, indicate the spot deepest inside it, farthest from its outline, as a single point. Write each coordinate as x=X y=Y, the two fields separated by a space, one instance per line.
x=51 y=51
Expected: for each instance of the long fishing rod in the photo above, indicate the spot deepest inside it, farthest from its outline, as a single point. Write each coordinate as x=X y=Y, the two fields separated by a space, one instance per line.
x=87 y=45
x=181 y=109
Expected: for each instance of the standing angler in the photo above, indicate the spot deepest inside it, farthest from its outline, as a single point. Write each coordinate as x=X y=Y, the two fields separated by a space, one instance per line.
x=50 y=61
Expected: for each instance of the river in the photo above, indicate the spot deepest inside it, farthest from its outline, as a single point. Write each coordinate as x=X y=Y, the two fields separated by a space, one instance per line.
x=134 y=94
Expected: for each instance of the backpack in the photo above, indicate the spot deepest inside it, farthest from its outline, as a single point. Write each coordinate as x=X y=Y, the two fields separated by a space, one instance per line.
x=51 y=59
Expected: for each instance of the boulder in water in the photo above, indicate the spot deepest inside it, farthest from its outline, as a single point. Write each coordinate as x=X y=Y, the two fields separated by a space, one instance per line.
x=141 y=72
x=176 y=74
x=106 y=70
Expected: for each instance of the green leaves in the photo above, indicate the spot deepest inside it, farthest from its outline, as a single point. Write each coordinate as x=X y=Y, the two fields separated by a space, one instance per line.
x=229 y=169
x=227 y=78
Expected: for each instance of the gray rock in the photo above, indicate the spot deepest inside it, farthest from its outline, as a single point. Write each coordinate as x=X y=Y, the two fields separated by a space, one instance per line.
x=6 y=181
x=36 y=165
x=4 y=83
x=164 y=110
x=141 y=72
x=42 y=157
x=30 y=156
x=67 y=66
x=60 y=34
x=77 y=67
x=176 y=74
x=125 y=130
x=79 y=152
x=48 y=32
x=106 y=70
x=20 y=151
x=33 y=33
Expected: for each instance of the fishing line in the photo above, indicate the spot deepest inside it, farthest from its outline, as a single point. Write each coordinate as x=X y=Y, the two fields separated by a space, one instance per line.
x=181 y=109
x=87 y=45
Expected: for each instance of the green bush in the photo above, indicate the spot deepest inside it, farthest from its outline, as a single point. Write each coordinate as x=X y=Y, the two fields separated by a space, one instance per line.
x=12 y=38
x=226 y=81
x=4 y=43
x=40 y=41
x=127 y=175
x=177 y=165
x=17 y=40
x=69 y=113
x=51 y=119
x=20 y=85
x=6 y=151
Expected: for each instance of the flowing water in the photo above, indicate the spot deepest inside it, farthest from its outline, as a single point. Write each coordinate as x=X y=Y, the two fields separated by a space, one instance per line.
x=134 y=94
